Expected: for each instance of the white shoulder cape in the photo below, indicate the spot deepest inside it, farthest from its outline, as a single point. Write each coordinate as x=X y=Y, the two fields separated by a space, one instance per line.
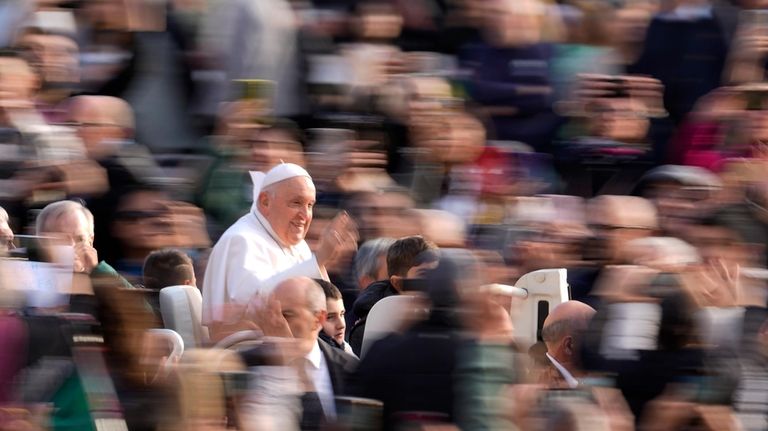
x=248 y=260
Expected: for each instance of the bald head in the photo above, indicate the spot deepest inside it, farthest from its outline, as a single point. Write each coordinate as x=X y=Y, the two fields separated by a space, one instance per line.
x=562 y=325
x=303 y=305
x=101 y=119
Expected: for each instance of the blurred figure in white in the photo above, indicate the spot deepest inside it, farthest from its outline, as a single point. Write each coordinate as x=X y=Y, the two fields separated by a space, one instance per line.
x=266 y=246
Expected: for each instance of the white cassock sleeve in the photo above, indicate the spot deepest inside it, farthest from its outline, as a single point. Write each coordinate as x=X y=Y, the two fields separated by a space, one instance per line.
x=240 y=267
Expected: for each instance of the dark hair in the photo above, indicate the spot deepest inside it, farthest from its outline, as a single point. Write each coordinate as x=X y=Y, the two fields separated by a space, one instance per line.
x=407 y=252
x=330 y=290
x=739 y=220
x=11 y=53
x=167 y=267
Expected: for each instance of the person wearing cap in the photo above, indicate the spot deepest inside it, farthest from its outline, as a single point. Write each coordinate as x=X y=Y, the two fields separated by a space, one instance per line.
x=681 y=194
x=266 y=246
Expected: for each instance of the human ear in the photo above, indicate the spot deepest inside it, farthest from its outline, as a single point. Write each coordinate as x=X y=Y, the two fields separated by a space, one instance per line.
x=263 y=203
x=397 y=282
x=568 y=345
x=322 y=317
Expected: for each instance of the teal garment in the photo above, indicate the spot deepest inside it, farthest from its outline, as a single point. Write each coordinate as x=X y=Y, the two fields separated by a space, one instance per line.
x=570 y=60
x=482 y=372
x=227 y=191
x=227 y=195
x=103 y=269
x=71 y=412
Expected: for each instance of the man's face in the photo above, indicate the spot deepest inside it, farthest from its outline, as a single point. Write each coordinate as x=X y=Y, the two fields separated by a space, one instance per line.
x=94 y=126
x=335 y=324
x=73 y=226
x=382 y=215
x=143 y=221
x=17 y=82
x=303 y=322
x=268 y=148
x=289 y=209
x=56 y=56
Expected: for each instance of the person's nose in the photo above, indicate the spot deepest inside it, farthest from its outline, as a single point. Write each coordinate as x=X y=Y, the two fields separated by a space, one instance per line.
x=341 y=324
x=305 y=213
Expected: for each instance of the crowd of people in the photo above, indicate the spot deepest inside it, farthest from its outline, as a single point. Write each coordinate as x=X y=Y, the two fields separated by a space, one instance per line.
x=315 y=214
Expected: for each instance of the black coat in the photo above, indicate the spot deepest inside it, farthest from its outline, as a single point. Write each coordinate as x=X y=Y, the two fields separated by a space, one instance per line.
x=372 y=294
x=412 y=371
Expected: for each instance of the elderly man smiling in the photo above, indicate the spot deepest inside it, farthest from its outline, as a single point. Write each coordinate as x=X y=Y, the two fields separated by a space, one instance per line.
x=266 y=246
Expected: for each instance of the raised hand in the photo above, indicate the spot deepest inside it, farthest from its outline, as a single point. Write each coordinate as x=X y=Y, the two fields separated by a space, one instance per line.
x=338 y=237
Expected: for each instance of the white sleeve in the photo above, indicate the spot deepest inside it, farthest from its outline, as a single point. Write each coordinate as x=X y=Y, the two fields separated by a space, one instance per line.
x=272 y=401
x=254 y=270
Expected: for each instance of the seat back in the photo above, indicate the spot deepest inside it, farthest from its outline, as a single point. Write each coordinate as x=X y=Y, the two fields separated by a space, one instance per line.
x=181 y=307
x=546 y=289
x=389 y=315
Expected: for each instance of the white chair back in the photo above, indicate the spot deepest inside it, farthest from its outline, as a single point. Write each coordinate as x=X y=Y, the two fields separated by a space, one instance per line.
x=546 y=289
x=389 y=315
x=181 y=307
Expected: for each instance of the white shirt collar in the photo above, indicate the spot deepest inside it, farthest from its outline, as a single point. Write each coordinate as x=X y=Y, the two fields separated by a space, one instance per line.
x=315 y=356
x=289 y=250
x=572 y=382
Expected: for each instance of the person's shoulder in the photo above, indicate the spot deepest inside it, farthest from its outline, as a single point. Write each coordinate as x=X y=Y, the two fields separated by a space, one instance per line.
x=339 y=357
x=372 y=294
x=246 y=226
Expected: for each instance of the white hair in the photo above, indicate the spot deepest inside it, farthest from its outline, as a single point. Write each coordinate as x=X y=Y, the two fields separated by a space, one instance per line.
x=56 y=210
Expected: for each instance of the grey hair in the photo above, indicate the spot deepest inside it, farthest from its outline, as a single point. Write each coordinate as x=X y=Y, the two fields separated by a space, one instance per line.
x=558 y=330
x=367 y=257
x=56 y=210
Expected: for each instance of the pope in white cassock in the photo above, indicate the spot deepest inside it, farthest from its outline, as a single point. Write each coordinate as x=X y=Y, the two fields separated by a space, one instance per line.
x=266 y=246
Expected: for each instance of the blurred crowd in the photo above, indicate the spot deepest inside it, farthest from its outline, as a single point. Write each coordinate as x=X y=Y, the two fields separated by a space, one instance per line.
x=202 y=202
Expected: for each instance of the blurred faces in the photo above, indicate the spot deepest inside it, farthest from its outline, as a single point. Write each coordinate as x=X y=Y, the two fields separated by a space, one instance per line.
x=678 y=205
x=616 y=220
x=287 y=206
x=618 y=119
x=270 y=147
x=514 y=22
x=56 y=57
x=335 y=325
x=450 y=138
x=143 y=222
x=6 y=235
x=97 y=120
x=630 y=24
x=73 y=226
x=378 y=22
x=17 y=82
x=383 y=215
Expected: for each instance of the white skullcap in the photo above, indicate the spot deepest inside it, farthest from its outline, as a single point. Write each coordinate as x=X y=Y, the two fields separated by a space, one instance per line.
x=281 y=172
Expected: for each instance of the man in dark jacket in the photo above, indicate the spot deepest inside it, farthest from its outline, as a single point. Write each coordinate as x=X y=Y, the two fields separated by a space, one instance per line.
x=407 y=259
